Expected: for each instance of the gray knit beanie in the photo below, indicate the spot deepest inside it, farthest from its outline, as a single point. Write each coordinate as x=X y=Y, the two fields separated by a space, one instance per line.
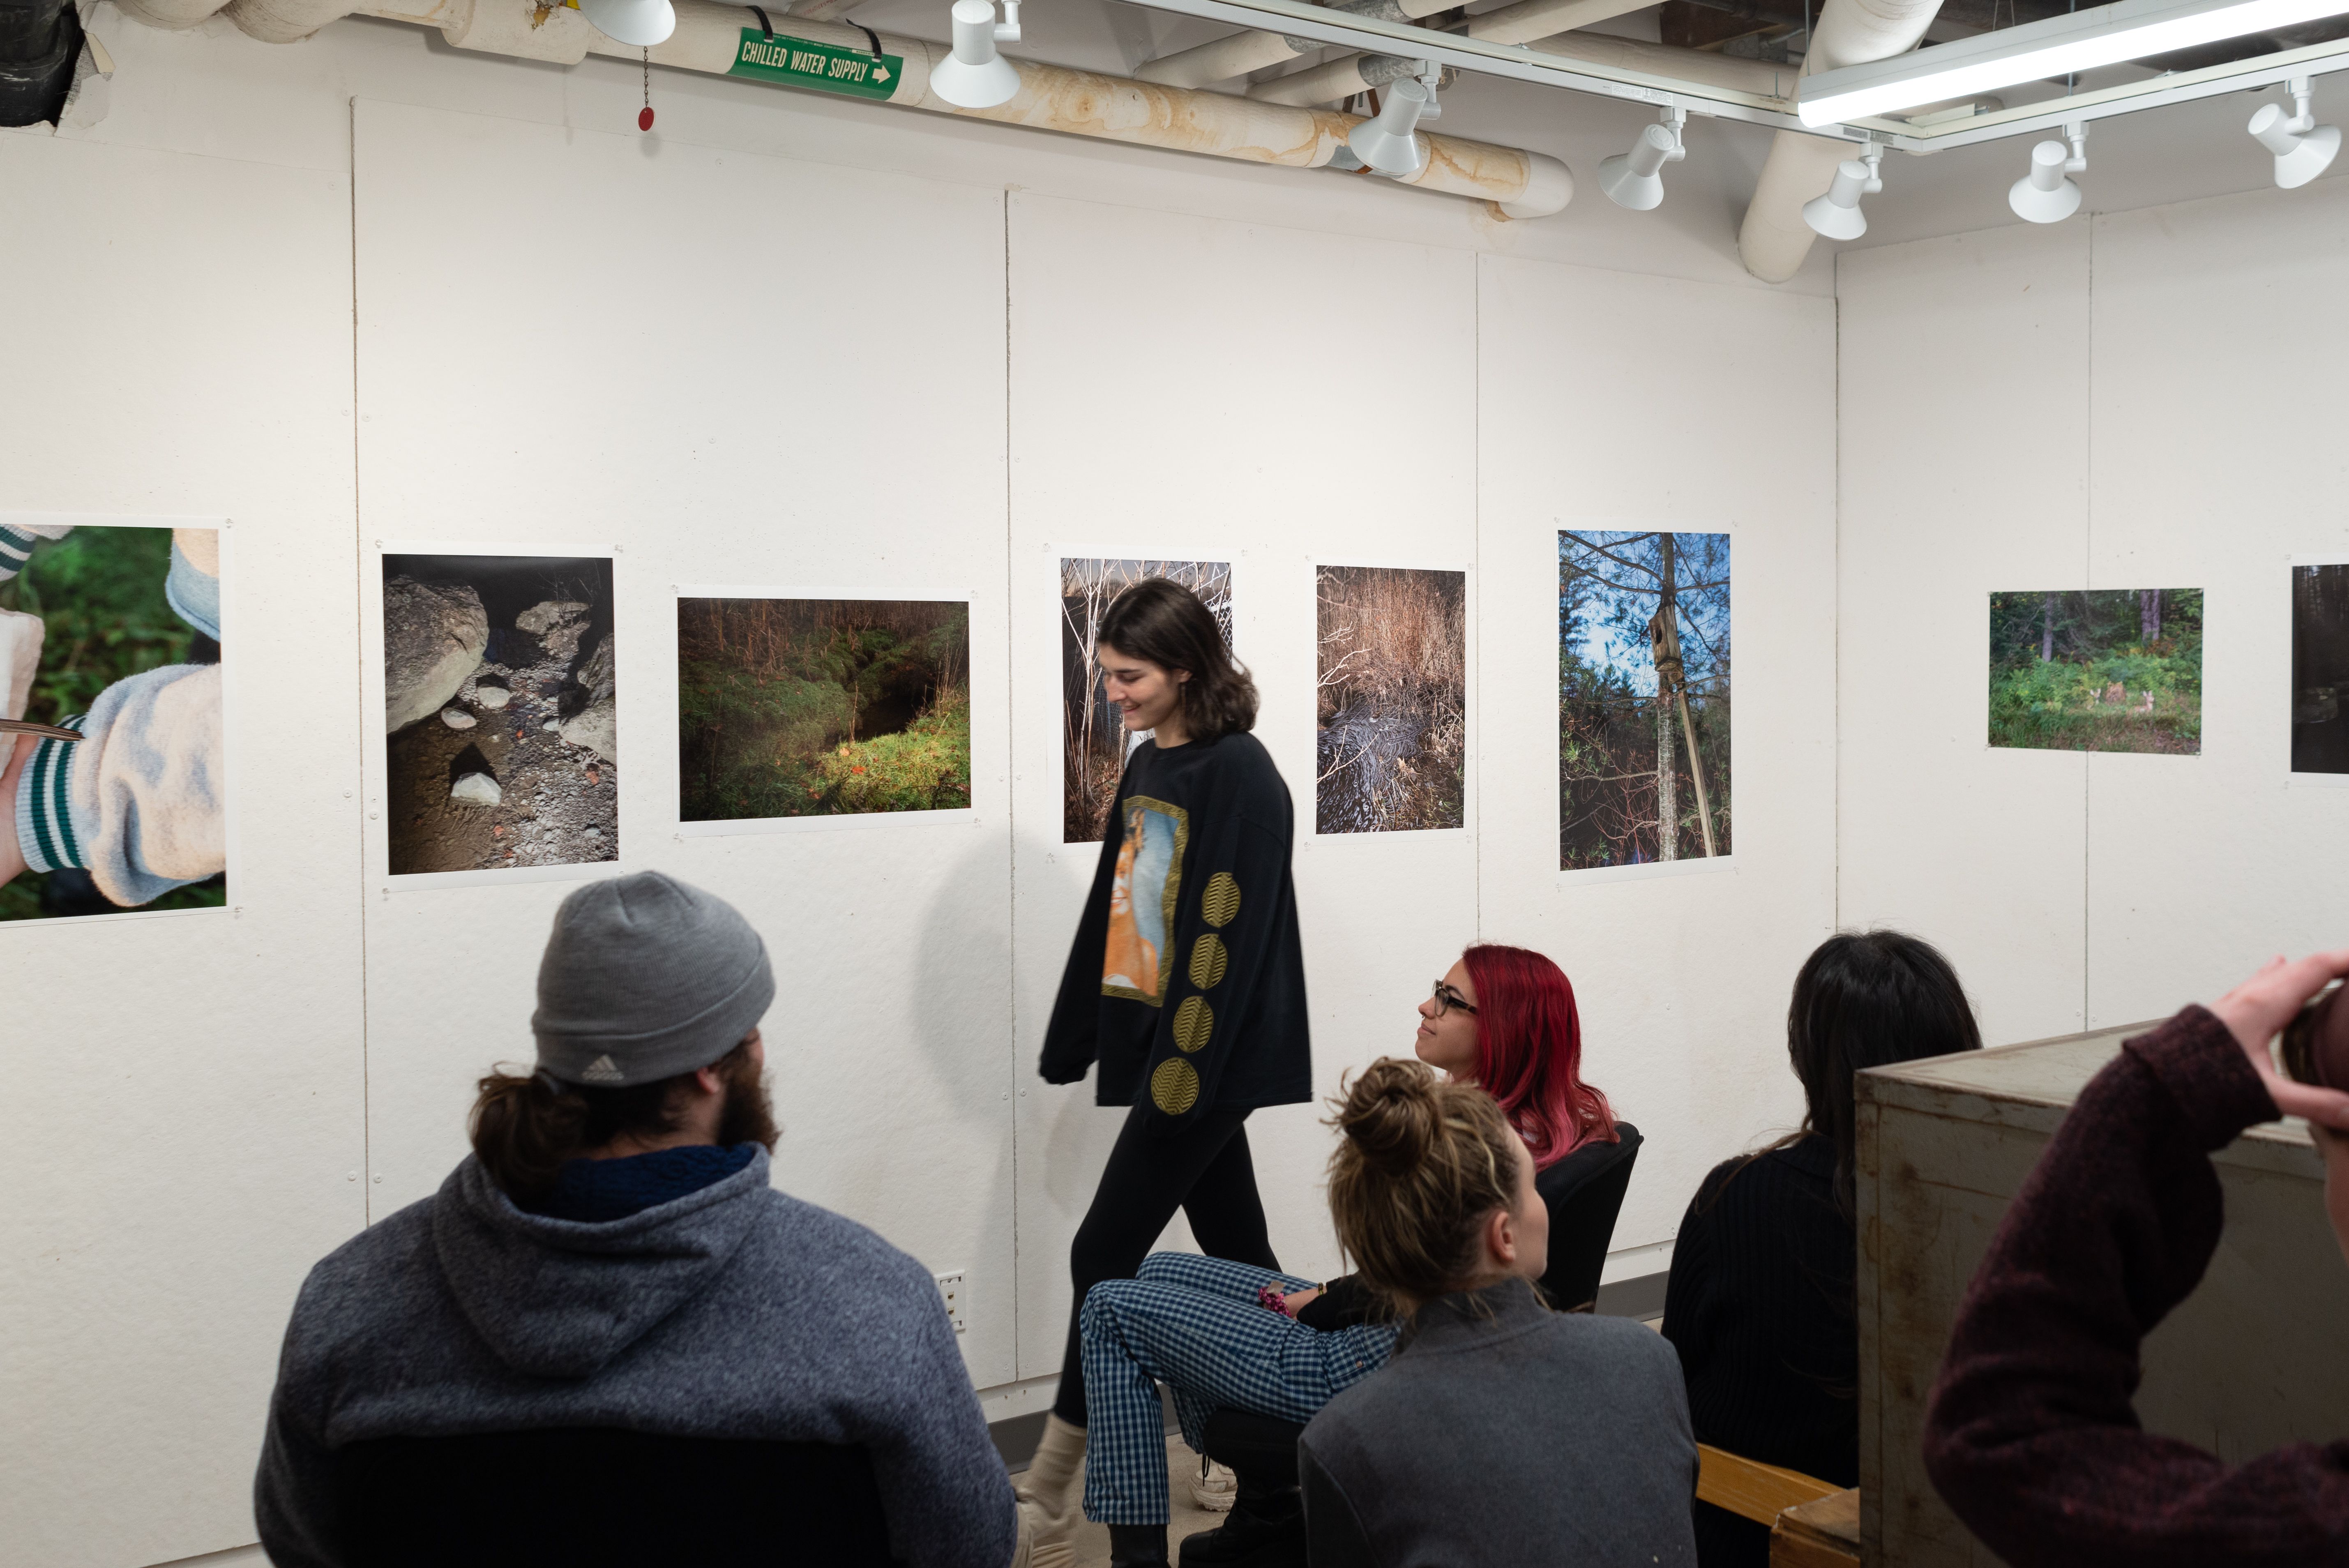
x=645 y=978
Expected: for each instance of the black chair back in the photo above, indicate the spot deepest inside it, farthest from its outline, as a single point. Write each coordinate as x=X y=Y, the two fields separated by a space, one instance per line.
x=594 y=1497
x=1583 y=1193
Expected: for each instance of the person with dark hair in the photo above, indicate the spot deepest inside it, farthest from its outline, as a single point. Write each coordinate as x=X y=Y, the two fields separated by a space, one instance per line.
x=1760 y=1303
x=2032 y=1436
x=1501 y=1432
x=1228 y=1335
x=1185 y=984
x=608 y=1339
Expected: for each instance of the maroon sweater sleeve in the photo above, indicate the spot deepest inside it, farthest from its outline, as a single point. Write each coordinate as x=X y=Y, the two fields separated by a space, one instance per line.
x=2030 y=1436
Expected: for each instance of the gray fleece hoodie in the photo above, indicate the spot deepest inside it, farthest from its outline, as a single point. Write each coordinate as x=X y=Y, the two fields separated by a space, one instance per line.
x=733 y=1311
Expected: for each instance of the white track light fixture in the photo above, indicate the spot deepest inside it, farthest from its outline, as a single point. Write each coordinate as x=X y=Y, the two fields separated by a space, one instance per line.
x=2044 y=195
x=974 y=75
x=1837 y=215
x=2303 y=149
x=639 y=24
x=1634 y=179
x=1387 y=144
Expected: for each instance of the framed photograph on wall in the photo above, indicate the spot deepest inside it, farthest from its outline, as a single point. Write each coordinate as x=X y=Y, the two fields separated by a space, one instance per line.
x=2096 y=669
x=810 y=708
x=115 y=797
x=1094 y=741
x=496 y=671
x=1391 y=700
x=1644 y=709
x=2320 y=670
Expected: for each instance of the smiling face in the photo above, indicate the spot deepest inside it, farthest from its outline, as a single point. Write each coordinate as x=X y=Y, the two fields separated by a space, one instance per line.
x=1446 y=1040
x=1147 y=695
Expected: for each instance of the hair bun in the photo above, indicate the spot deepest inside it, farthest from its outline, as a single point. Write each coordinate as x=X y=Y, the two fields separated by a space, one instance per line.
x=1390 y=1113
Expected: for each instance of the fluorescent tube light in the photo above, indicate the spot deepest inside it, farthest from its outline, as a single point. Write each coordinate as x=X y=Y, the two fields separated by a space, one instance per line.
x=2081 y=41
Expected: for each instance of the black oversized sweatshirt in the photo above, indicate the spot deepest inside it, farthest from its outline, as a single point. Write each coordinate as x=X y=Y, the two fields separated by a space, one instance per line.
x=1186 y=982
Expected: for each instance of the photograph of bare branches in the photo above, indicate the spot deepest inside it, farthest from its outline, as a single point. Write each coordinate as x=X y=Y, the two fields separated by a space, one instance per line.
x=1642 y=697
x=1093 y=739
x=790 y=707
x=1391 y=699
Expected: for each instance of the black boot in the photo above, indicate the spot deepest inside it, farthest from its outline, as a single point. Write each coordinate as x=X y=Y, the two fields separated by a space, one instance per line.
x=1137 y=1546
x=1266 y=1529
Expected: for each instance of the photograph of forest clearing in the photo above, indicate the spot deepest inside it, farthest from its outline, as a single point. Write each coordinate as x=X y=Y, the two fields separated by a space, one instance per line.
x=2110 y=670
x=822 y=707
x=1092 y=735
x=1643 y=677
x=1391 y=699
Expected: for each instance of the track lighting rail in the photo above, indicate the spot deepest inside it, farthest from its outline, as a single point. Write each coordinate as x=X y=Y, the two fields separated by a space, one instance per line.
x=1526 y=63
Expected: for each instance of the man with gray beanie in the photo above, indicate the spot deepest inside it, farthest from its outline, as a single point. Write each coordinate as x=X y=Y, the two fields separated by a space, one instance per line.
x=608 y=1339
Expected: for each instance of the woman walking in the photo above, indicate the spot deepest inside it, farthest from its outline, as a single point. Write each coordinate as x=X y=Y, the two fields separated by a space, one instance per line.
x=1185 y=984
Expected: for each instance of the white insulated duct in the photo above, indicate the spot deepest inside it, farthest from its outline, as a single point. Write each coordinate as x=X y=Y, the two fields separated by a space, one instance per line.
x=1341 y=79
x=1517 y=183
x=1773 y=239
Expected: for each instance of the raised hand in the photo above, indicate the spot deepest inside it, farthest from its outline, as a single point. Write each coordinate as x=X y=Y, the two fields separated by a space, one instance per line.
x=2257 y=1010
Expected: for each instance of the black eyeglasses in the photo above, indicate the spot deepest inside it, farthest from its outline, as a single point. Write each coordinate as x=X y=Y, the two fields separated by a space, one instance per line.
x=1446 y=999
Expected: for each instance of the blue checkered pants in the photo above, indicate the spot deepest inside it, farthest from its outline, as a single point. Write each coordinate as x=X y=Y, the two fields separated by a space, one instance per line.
x=1195 y=1324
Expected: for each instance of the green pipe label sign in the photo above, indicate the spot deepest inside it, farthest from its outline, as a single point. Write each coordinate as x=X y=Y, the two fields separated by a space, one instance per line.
x=827 y=67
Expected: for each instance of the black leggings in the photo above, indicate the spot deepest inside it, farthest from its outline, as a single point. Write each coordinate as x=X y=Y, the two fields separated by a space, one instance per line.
x=1204 y=1171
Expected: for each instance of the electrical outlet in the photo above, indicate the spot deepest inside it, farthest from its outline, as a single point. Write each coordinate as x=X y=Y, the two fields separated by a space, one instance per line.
x=950 y=1287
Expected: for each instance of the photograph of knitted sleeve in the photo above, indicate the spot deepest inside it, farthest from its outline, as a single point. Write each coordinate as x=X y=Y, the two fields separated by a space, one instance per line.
x=140 y=801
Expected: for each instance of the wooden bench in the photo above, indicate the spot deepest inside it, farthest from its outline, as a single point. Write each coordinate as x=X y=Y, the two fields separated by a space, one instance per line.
x=1812 y=1524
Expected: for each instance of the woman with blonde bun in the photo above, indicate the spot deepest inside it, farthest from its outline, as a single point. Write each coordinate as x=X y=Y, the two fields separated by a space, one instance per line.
x=1500 y=1431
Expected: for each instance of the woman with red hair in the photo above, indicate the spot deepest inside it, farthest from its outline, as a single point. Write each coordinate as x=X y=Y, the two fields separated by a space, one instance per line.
x=1504 y=1019
x=1227 y=1335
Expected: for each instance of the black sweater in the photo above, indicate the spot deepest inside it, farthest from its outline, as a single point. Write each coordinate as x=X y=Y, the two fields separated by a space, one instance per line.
x=1760 y=1308
x=1186 y=981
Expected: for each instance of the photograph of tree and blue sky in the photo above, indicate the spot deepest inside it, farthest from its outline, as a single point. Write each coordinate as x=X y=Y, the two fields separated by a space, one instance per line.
x=1642 y=763
x=2107 y=670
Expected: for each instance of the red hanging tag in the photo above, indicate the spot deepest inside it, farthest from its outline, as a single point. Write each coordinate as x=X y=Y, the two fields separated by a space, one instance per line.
x=645 y=120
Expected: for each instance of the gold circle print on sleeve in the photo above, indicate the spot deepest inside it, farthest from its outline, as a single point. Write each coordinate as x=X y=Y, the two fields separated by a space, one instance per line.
x=1207 y=960
x=1174 y=1088
x=1220 y=899
x=1194 y=1022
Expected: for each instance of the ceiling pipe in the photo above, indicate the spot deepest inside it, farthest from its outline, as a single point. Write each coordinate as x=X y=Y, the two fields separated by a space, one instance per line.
x=1341 y=79
x=1531 y=22
x=1514 y=183
x=1237 y=53
x=1773 y=240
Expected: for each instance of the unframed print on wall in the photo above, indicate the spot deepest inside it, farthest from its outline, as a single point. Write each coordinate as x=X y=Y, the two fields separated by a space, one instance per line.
x=1391 y=700
x=2320 y=670
x=1644 y=699
x=110 y=630
x=500 y=701
x=802 y=707
x=1094 y=741
x=2099 y=669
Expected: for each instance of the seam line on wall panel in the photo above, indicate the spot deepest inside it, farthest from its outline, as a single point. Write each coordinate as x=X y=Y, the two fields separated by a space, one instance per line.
x=1477 y=554
x=2088 y=567
x=358 y=590
x=1834 y=603
x=1011 y=794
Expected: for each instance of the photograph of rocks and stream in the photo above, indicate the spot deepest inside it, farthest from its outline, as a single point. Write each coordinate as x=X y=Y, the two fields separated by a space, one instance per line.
x=501 y=703
x=1391 y=701
x=1094 y=741
x=791 y=707
x=1643 y=679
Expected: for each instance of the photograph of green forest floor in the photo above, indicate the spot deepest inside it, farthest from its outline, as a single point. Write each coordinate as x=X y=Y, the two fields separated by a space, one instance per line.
x=2108 y=669
x=822 y=707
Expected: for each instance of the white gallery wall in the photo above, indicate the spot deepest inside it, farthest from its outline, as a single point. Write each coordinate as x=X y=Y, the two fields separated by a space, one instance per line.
x=2134 y=400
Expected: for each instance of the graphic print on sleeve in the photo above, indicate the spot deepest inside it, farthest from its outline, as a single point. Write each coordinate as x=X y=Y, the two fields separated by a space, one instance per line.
x=1139 y=958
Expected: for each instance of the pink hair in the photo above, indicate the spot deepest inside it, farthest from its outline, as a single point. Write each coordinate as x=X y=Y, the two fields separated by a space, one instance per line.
x=1530 y=1051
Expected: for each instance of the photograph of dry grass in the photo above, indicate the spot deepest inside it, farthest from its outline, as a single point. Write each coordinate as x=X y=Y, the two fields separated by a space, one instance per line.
x=822 y=707
x=1390 y=699
x=1093 y=739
